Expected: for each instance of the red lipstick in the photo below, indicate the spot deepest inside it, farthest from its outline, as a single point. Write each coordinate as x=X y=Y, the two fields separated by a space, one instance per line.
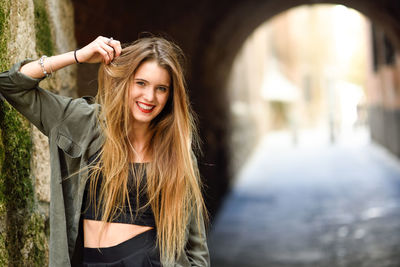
x=145 y=108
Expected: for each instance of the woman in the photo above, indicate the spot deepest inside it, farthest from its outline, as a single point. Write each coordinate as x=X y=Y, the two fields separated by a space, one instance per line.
x=125 y=187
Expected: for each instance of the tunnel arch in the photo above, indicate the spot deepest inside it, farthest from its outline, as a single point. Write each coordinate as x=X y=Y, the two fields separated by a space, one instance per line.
x=211 y=33
x=228 y=37
x=224 y=41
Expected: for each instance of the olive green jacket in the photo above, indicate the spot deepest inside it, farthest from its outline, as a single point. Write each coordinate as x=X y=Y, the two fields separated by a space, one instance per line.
x=74 y=135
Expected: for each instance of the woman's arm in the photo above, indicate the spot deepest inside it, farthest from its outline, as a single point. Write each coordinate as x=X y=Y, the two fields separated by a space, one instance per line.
x=44 y=109
x=100 y=50
x=196 y=247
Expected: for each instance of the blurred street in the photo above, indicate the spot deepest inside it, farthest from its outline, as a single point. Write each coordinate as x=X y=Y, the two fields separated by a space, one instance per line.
x=311 y=205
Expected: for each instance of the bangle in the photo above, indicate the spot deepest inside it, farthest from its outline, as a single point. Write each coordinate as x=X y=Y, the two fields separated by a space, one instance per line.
x=76 y=59
x=41 y=63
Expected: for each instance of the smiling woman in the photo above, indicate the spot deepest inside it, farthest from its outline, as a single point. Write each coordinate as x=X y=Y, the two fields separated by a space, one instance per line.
x=149 y=92
x=130 y=193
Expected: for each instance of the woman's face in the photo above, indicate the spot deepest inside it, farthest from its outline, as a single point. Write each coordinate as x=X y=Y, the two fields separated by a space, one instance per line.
x=149 y=91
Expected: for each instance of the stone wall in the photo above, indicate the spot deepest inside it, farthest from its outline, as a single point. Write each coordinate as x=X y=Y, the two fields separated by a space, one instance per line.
x=29 y=29
x=248 y=109
x=384 y=91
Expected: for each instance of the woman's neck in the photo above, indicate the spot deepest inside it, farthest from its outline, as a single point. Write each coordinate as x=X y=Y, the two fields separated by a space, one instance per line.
x=139 y=138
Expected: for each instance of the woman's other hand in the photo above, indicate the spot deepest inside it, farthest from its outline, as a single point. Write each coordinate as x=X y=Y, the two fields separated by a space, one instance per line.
x=102 y=49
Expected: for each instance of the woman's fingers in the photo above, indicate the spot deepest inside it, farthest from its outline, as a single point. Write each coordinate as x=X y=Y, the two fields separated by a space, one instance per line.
x=101 y=49
x=109 y=56
x=113 y=48
x=116 y=45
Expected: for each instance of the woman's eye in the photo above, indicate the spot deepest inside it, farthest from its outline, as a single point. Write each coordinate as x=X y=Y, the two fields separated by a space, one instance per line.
x=162 y=89
x=140 y=83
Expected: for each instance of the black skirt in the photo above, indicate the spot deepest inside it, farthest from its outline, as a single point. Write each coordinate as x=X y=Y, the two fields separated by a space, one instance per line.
x=139 y=251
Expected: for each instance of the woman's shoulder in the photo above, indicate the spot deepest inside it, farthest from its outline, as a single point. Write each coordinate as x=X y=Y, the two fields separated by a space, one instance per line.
x=80 y=125
x=82 y=108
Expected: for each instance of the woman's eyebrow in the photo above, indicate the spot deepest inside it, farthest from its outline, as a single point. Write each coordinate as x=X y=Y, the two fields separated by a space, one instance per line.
x=140 y=79
x=144 y=80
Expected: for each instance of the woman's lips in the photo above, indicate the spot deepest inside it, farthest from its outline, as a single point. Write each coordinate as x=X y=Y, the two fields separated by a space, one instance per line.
x=145 y=108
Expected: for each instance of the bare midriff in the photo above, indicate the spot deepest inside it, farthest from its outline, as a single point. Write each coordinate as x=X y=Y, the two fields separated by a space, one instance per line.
x=112 y=235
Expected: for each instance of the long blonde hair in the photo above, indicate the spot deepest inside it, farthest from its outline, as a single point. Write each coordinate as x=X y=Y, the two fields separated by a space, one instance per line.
x=173 y=184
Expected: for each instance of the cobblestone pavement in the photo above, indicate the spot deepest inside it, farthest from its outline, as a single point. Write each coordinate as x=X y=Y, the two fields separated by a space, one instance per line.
x=326 y=206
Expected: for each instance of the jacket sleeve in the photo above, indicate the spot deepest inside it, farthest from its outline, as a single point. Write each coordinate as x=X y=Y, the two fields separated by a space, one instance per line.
x=41 y=107
x=196 y=247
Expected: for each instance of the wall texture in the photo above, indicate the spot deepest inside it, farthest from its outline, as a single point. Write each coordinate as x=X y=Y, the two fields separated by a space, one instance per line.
x=29 y=29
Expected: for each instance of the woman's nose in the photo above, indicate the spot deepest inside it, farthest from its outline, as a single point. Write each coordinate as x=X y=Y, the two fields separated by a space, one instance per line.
x=149 y=93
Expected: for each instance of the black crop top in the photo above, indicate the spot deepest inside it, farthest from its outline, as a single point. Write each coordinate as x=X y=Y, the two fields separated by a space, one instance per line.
x=143 y=217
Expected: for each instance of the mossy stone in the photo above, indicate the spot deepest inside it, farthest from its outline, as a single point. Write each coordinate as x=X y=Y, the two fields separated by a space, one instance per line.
x=44 y=43
x=35 y=251
x=23 y=232
x=4 y=20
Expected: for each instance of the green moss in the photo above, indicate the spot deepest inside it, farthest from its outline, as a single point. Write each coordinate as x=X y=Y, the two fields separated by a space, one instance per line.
x=3 y=212
x=17 y=149
x=4 y=36
x=3 y=235
x=4 y=32
x=44 y=44
x=23 y=232
x=15 y=179
x=3 y=250
x=36 y=254
x=1 y=155
x=4 y=14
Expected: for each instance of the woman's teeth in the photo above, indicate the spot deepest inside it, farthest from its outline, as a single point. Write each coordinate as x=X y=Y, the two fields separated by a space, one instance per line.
x=146 y=107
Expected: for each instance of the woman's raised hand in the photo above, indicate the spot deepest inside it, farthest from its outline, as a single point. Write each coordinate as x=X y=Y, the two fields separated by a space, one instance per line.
x=102 y=49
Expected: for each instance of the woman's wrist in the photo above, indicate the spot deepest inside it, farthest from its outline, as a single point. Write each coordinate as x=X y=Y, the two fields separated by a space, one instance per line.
x=62 y=60
x=76 y=56
x=48 y=65
x=45 y=64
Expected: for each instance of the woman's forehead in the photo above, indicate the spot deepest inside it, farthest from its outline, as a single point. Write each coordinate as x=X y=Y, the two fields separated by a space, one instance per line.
x=151 y=71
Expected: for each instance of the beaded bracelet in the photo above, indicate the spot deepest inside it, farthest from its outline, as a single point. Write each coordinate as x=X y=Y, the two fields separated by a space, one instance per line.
x=41 y=63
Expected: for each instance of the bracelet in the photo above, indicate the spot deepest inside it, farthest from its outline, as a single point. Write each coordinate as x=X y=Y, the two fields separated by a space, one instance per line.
x=41 y=63
x=76 y=59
